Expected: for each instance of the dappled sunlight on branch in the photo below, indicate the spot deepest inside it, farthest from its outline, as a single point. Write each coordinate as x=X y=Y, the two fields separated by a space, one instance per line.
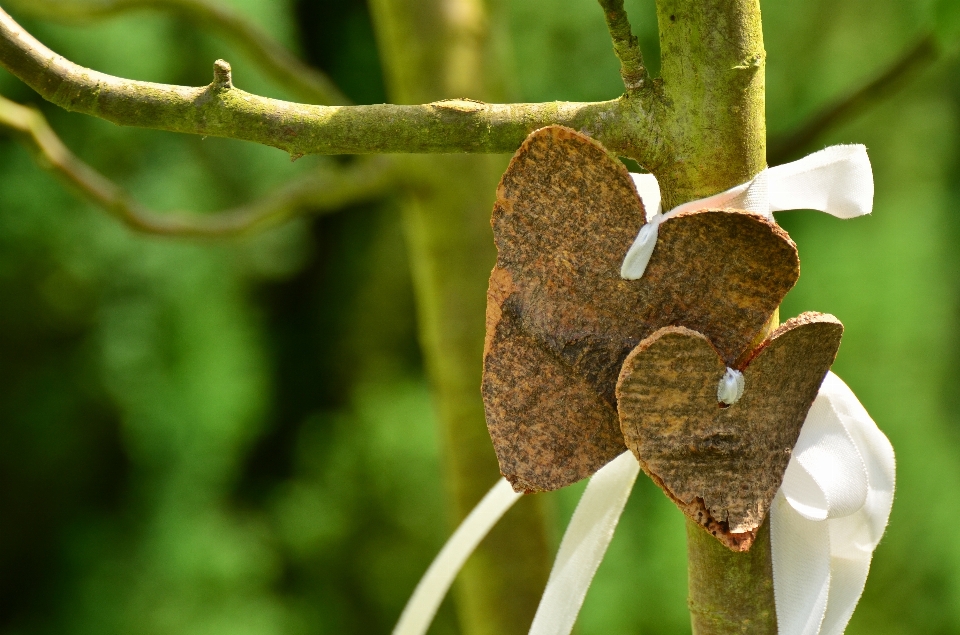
x=221 y=110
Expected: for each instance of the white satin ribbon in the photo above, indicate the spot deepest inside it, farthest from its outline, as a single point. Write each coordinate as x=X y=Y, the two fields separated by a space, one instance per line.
x=837 y=180
x=426 y=598
x=829 y=514
x=584 y=544
x=826 y=520
x=581 y=551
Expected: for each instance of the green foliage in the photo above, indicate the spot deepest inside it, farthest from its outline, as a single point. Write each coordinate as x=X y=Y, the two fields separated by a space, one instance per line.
x=237 y=437
x=946 y=23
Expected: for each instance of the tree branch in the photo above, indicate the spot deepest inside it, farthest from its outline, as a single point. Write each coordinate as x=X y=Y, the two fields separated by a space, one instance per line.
x=625 y=45
x=286 y=69
x=912 y=61
x=624 y=126
x=316 y=192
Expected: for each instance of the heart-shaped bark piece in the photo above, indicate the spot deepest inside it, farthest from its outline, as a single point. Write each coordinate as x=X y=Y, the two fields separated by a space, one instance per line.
x=570 y=435
x=565 y=216
x=723 y=465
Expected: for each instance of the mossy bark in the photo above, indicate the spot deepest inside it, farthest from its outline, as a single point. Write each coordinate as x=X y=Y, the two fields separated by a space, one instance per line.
x=730 y=592
x=712 y=67
x=435 y=50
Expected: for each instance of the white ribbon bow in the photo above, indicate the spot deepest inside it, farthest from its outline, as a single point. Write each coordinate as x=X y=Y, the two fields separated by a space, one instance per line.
x=835 y=499
x=829 y=514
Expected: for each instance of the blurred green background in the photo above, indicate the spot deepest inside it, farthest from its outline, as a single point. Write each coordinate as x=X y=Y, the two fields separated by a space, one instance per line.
x=237 y=436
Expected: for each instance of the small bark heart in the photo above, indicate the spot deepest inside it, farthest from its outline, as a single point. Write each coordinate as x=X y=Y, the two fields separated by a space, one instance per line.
x=723 y=465
x=565 y=216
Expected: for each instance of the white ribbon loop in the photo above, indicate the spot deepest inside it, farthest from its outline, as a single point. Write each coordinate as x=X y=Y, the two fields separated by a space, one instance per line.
x=826 y=477
x=837 y=180
x=829 y=514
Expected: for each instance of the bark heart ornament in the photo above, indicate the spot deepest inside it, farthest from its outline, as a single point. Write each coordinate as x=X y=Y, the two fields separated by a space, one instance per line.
x=561 y=320
x=722 y=466
x=775 y=434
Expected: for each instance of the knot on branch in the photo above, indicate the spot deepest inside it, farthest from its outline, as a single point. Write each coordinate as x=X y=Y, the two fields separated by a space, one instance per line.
x=463 y=104
x=222 y=77
x=634 y=80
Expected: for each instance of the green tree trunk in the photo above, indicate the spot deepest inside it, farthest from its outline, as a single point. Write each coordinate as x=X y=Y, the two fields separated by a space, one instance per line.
x=713 y=87
x=438 y=50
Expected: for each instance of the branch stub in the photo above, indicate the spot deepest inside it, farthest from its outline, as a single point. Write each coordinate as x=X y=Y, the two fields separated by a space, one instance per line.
x=222 y=77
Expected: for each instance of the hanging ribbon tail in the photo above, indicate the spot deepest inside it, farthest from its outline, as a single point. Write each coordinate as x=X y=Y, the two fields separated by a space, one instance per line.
x=433 y=587
x=584 y=544
x=829 y=514
x=635 y=262
x=801 y=569
x=837 y=180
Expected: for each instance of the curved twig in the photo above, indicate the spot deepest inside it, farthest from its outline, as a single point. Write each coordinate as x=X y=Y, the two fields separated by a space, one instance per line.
x=289 y=71
x=315 y=192
x=625 y=45
x=913 y=60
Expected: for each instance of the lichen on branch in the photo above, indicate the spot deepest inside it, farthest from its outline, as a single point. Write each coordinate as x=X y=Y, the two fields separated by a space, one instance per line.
x=222 y=110
x=625 y=45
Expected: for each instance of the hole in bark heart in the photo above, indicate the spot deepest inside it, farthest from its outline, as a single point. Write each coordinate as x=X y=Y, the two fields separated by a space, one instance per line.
x=722 y=466
x=561 y=320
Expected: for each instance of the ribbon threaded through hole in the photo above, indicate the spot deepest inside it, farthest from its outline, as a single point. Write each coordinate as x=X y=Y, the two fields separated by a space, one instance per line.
x=730 y=388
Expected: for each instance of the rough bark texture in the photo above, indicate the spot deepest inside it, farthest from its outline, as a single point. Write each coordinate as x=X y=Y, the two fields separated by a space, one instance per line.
x=723 y=465
x=712 y=65
x=566 y=213
x=437 y=49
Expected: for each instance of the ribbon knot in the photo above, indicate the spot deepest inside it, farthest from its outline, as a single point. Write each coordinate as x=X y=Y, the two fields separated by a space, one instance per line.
x=731 y=386
x=837 y=180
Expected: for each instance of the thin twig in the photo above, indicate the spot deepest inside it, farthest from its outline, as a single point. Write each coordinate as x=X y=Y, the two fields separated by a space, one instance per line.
x=625 y=45
x=221 y=110
x=911 y=62
x=314 y=192
x=286 y=69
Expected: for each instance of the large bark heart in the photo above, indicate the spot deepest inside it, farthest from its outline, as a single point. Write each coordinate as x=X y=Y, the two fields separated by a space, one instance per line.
x=723 y=465
x=565 y=215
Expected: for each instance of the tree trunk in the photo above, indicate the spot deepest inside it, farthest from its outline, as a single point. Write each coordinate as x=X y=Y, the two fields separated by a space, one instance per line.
x=432 y=50
x=713 y=85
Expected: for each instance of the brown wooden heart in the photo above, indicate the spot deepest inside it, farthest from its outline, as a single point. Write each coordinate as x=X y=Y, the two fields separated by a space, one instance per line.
x=723 y=465
x=565 y=215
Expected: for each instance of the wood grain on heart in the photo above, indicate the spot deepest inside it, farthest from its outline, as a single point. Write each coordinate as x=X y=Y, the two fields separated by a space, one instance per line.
x=565 y=215
x=723 y=465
